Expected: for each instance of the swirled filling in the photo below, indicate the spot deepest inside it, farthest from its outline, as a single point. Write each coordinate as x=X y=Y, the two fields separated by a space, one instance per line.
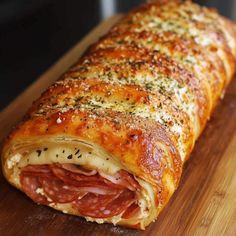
x=91 y=193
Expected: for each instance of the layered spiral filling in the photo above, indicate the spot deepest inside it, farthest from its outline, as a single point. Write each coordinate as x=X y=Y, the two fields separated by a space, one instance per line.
x=91 y=193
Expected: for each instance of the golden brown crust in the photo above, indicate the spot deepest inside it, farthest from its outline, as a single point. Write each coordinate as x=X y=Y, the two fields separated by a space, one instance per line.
x=127 y=138
x=143 y=92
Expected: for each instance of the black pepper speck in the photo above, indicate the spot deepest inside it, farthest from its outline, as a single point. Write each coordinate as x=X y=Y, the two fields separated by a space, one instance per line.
x=39 y=152
x=77 y=152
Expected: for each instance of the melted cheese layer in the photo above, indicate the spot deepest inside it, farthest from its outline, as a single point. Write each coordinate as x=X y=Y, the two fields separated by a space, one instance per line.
x=63 y=151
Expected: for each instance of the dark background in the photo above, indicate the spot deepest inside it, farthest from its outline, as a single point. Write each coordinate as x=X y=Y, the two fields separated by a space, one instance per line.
x=34 y=34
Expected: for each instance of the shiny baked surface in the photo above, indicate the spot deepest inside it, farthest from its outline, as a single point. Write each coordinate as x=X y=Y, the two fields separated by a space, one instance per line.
x=143 y=93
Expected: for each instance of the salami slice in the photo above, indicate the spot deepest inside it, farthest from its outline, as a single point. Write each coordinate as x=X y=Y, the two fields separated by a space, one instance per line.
x=30 y=184
x=78 y=169
x=71 y=177
x=91 y=193
x=122 y=180
x=37 y=168
x=104 y=206
x=80 y=180
x=121 y=203
x=131 y=211
x=58 y=191
x=132 y=183
x=93 y=205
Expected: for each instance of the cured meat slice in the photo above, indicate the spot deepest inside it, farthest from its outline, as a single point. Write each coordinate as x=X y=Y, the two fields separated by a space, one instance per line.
x=37 y=169
x=121 y=203
x=71 y=177
x=59 y=192
x=122 y=179
x=104 y=206
x=30 y=184
x=81 y=180
x=78 y=169
x=131 y=211
x=91 y=193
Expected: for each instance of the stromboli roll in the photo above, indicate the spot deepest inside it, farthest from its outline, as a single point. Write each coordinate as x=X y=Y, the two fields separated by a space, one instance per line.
x=108 y=140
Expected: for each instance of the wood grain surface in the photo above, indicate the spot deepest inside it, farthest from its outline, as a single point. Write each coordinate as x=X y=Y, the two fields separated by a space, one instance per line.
x=204 y=204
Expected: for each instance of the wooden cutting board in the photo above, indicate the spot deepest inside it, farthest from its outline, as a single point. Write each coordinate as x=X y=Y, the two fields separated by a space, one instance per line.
x=204 y=204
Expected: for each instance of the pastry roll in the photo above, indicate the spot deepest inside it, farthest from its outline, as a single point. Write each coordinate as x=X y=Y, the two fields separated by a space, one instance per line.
x=108 y=140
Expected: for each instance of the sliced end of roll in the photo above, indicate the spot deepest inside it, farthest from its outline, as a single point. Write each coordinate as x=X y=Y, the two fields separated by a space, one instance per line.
x=80 y=178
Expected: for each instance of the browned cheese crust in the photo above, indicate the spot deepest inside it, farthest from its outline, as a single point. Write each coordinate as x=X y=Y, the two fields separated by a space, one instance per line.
x=143 y=92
